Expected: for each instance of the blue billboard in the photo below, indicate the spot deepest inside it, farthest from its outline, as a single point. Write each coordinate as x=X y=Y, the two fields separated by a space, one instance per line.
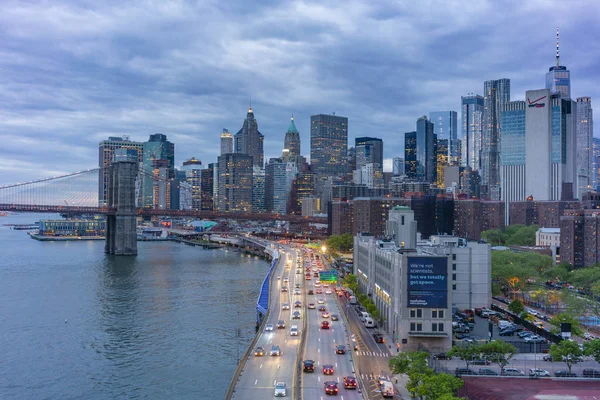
x=427 y=279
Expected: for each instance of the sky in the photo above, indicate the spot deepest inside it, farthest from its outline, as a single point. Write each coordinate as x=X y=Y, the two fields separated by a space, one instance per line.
x=73 y=73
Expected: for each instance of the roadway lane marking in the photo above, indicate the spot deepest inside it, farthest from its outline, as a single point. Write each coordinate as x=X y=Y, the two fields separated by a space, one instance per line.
x=255 y=382
x=333 y=340
x=260 y=366
x=336 y=367
x=318 y=350
x=319 y=339
x=319 y=378
x=275 y=382
x=338 y=378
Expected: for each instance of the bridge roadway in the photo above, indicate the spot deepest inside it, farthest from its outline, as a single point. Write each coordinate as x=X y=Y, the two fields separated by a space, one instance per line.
x=259 y=375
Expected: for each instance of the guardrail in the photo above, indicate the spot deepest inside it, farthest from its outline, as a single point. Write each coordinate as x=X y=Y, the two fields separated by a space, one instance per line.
x=242 y=364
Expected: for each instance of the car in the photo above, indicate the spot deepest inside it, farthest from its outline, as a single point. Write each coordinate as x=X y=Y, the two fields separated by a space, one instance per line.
x=322 y=308
x=328 y=291
x=285 y=306
x=565 y=374
x=538 y=372
x=512 y=372
x=317 y=284
x=316 y=274
x=294 y=330
x=334 y=317
x=507 y=332
x=298 y=304
x=591 y=373
x=325 y=314
x=298 y=272
x=281 y=324
x=442 y=356
x=284 y=289
x=547 y=357
x=328 y=369
x=350 y=382
x=325 y=325
x=280 y=389
x=340 y=349
x=259 y=351
x=481 y=361
x=310 y=292
x=331 y=387
x=536 y=339
x=462 y=336
x=321 y=301
x=311 y=306
x=588 y=336
x=296 y=292
x=464 y=371
x=523 y=334
x=487 y=371
x=308 y=366
x=296 y=315
x=297 y=286
x=286 y=281
x=378 y=338
x=276 y=350
x=269 y=328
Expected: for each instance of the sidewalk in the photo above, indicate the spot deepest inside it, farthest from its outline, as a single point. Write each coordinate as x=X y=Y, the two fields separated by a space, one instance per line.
x=398 y=380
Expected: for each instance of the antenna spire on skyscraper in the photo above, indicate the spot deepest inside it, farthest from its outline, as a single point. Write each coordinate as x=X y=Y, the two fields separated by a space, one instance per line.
x=557 y=52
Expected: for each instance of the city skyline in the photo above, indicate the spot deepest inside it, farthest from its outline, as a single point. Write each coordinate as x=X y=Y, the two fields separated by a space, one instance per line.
x=75 y=76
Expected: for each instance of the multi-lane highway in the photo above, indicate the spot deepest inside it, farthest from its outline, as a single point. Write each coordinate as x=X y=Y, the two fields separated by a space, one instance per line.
x=261 y=373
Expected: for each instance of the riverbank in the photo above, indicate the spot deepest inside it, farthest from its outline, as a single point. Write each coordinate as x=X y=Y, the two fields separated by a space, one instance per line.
x=42 y=238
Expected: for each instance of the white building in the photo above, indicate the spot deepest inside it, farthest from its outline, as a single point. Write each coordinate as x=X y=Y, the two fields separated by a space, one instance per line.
x=416 y=285
x=549 y=237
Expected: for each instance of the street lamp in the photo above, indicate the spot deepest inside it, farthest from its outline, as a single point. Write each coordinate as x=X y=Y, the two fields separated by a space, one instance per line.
x=323 y=249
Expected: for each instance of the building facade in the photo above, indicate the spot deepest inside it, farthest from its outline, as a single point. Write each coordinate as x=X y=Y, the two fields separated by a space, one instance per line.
x=328 y=145
x=105 y=159
x=368 y=150
x=585 y=151
x=292 y=140
x=258 y=190
x=226 y=142
x=398 y=166
x=193 y=176
x=558 y=78
x=235 y=182
x=276 y=186
x=425 y=151
x=155 y=149
x=472 y=128
x=207 y=187
x=410 y=154
x=445 y=128
x=249 y=140
x=496 y=96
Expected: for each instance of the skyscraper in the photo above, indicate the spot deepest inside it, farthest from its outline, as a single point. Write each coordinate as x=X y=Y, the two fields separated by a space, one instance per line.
x=444 y=126
x=226 y=142
x=513 y=154
x=193 y=176
x=442 y=160
x=250 y=141
x=368 y=150
x=426 y=154
x=558 y=78
x=105 y=158
x=472 y=127
x=410 y=154
x=328 y=145
x=206 y=187
x=397 y=166
x=292 y=140
x=596 y=163
x=156 y=148
x=496 y=95
x=276 y=190
x=235 y=182
x=258 y=189
x=585 y=135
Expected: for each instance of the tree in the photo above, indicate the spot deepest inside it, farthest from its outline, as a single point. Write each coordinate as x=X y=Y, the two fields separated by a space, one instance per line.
x=566 y=317
x=351 y=282
x=466 y=353
x=413 y=364
x=526 y=316
x=499 y=352
x=434 y=387
x=495 y=237
x=592 y=349
x=567 y=352
x=343 y=242
x=516 y=306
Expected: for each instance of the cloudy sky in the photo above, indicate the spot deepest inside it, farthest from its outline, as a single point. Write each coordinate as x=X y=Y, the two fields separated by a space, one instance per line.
x=75 y=72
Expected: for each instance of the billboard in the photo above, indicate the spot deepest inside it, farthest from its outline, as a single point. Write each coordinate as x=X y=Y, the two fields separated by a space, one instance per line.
x=427 y=279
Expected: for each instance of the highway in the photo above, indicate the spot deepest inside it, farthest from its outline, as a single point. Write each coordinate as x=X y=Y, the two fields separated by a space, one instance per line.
x=321 y=344
x=259 y=375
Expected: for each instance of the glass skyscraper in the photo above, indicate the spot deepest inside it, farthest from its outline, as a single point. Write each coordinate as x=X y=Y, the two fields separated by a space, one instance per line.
x=328 y=145
x=157 y=148
x=410 y=155
x=558 y=78
x=472 y=126
x=368 y=150
x=496 y=95
x=585 y=134
x=444 y=127
x=426 y=154
x=250 y=141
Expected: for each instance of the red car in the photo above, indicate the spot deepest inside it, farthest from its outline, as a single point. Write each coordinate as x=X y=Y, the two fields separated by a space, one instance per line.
x=328 y=369
x=331 y=388
x=350 y=382
x=325 y=325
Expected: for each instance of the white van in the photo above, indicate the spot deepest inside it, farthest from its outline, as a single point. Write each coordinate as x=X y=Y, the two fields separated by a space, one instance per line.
x=363 y=315
x=294 y=330
x=387 y=389
x=369 y=323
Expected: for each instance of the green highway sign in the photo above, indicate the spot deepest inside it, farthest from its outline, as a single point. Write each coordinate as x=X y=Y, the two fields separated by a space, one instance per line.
x=328 y=276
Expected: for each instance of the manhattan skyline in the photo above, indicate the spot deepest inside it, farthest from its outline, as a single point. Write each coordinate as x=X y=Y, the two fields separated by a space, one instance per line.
x=74 y=75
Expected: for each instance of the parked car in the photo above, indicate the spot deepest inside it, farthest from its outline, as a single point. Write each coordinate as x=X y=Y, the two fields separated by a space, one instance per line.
x=591 y=373
x=563 y=373
x=536 y=339
x=442 y=356
x=547 y=357
x=481 y=361
x=588 y=336
x=464 y=371
x=538 y=372
x=487 y=371
x=507 y=332
x=512 y=372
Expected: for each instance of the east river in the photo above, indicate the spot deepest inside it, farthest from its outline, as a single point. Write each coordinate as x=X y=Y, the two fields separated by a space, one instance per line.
x=78 y=324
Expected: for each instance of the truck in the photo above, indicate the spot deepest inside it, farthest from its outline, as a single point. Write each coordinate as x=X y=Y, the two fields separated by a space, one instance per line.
x=387 y=389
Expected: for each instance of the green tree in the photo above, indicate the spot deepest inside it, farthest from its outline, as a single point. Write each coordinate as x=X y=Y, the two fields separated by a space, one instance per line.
x=567 y=352
x=592 y=349
x=342 y=242
x=351 y=282
x=526 y=316
x=516 y=306
x=559 y=273
x=413 y=364
x=466 y=353
x=433 y=387
x=495 y=237
x=566 y=317
x=523 y=236
x=499 y=352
